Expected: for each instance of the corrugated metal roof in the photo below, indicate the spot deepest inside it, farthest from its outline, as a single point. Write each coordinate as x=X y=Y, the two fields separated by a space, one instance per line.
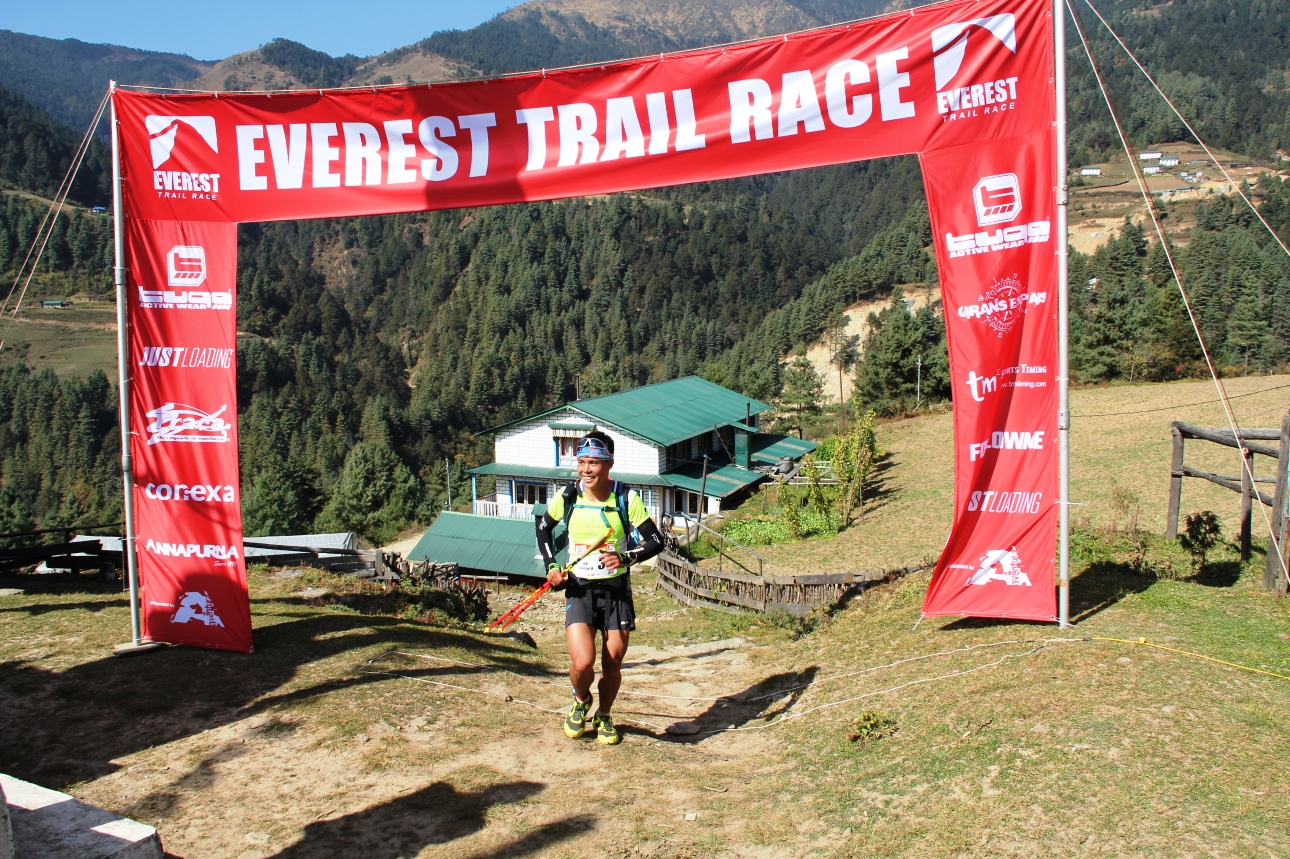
x=664 y=413
x=338 y=540
x=768 y=448
x=490 y=543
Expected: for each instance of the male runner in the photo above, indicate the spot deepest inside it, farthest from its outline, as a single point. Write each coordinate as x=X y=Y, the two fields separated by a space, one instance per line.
x=598 y=593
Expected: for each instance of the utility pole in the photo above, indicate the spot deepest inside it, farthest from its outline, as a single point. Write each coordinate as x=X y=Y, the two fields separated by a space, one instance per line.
x=918 y=385
x=448 y=474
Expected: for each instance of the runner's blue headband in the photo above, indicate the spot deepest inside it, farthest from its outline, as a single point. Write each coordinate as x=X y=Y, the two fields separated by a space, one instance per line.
x=593 y=448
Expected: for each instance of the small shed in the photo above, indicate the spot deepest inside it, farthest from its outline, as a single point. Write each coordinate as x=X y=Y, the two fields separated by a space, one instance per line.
x=347 y=540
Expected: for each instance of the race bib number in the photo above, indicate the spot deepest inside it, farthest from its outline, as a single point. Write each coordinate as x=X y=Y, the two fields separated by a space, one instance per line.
x=590 y=566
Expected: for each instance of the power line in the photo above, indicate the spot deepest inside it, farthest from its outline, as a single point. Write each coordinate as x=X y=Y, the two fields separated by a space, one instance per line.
x=1179 y=406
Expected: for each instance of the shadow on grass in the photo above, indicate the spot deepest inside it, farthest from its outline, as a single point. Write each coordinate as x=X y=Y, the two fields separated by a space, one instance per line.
x=435 y=814
x=60 y=583
x=1222 y=574
x=766 y=699
x=879 y=491
x=77 y=722
x=35 y=609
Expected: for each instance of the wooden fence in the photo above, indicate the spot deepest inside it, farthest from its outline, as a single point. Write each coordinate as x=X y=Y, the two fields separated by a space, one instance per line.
x=740 y=593
x=1274 y=577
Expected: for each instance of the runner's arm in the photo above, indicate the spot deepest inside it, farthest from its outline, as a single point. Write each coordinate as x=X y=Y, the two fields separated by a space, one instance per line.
x=545 y=540
x=651 y=544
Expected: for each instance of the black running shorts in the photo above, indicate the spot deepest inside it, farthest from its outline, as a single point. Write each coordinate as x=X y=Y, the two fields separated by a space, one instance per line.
x=601 y=605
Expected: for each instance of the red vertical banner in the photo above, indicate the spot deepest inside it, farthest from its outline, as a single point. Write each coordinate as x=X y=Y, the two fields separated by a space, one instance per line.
x=993 y=217
x=183 y=432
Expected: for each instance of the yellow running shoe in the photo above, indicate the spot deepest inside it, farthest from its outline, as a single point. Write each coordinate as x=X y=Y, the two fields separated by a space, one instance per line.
x=606 y=733
x=576 y=724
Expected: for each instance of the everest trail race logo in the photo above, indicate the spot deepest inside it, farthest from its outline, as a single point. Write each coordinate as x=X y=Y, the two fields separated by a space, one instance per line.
x=176 y=422
x=1005 y=302
x=949 y=47
x=997 y=200
x=164 y=133
x=1000 y=565
x=196 y=606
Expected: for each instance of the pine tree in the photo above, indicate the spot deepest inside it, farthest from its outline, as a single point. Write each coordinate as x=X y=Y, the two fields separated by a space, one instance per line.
x=803 y=389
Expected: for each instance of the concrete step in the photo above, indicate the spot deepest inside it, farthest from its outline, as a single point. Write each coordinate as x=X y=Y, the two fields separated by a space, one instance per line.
x=52 y=825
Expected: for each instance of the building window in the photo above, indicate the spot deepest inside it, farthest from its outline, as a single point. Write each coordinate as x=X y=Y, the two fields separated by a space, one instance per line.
x=679 y=452
x=568 y=447
x=685 y=503
x=530 y=493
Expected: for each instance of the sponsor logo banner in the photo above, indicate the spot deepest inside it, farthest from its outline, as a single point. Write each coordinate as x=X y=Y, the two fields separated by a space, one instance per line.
x=993 y=204
x=184 y=430
x=931 y=78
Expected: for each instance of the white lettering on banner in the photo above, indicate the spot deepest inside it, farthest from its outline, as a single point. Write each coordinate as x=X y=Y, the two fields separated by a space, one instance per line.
x=397 y=171
x=990 y=501
x=982 y=385
x=209 y=493
x=623 y=134
x=191 y=550
x=186 y=358
x=1006 y=441
x=536 y=119
x=687 y=138
x=798 y=104
x=1002 y=304
x=175 y=422
x=163 y=131
x=192 y=299
x=578 y=135
x=288 y=155
x=1001 y=239
x=890 y=83
x=196 y=606
x=842 y=114
x=362 y=153
x=1000 y=565
x=172 y=182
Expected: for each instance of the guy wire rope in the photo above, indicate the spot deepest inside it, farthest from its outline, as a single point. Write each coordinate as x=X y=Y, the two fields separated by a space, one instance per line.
x=1246 y=457
x=47 y=223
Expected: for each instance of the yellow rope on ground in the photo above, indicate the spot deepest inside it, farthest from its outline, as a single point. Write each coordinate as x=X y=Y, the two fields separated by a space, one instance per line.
x=1142 y=642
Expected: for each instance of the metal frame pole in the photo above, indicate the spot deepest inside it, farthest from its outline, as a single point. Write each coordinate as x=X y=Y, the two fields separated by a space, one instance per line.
x=1063 y=328
x=123 y=378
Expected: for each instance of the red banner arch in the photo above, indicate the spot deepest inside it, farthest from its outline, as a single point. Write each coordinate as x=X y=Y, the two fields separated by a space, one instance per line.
x=968 y=86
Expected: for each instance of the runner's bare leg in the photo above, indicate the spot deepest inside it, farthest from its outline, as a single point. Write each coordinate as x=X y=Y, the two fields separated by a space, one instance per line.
x=611 y=667
x=582 y=658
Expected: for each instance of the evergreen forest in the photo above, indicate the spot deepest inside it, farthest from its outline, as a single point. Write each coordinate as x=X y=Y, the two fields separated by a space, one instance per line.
x=373 y=351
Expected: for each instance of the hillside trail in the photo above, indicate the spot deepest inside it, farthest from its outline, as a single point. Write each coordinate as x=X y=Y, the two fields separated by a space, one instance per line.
x=441 y=772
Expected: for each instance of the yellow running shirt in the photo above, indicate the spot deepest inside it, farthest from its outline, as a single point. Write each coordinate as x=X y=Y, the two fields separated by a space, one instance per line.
x=590 y=520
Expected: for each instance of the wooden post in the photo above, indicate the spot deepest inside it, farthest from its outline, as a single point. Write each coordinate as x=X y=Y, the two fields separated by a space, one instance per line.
x=1247 y=487
x=1274 y=578
x=1175 y=484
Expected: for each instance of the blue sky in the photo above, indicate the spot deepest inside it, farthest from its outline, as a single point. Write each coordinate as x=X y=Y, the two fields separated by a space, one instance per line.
x=214 y=30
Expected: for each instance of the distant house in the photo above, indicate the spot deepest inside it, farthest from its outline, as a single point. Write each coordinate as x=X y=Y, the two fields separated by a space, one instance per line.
x=662 y=434
x=1168 y=161
x=1150 y=171
x=56 y=303
x=1148 y=156
x=1090 y=171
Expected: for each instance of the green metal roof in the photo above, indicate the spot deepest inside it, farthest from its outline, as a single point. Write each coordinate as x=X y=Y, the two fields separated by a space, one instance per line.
x=769 y=447
x=664 y=413
x=490 y=543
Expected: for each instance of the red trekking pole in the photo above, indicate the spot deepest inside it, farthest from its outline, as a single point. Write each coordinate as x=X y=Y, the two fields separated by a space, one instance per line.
x=511 y=616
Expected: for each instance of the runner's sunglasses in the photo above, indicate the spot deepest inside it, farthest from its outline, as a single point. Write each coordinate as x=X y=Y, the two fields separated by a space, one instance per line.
x=593 y=448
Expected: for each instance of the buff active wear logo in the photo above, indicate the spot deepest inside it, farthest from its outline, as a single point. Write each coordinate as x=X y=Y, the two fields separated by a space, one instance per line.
x=1008 y=377
x=185 y=269
x=1005 y=302
x=997 y=200
x=174 y=422
x=163 y=132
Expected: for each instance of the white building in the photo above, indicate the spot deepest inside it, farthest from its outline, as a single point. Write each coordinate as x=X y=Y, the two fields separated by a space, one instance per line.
x=1090 y=171
x=1148 y=156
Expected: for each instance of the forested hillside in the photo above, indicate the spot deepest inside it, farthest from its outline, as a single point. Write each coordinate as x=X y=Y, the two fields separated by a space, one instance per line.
x=376 y=348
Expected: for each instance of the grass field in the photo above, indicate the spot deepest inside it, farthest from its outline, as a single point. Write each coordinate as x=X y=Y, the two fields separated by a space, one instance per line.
x=333 y=739
x=70 y=341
